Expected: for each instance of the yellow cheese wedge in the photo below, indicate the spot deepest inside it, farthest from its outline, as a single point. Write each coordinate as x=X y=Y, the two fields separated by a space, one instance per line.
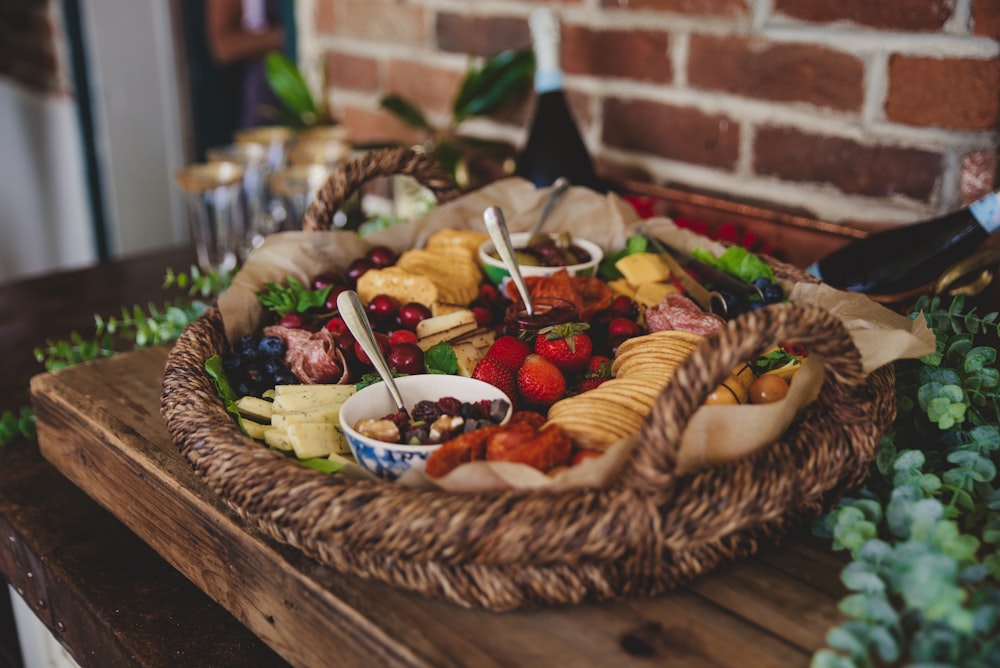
x=651 y=294
x=639 y=268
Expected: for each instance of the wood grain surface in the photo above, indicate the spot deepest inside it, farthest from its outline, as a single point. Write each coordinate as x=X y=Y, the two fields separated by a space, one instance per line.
x=99 y=424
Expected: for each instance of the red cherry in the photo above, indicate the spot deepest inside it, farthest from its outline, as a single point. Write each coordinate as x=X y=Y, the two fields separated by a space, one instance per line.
x=625 y=307
x=382 y=309
x=336 y=325
x=623 y=327
x=484 y=316
x=325 y=280
x=402 y=336
x=344 y=343
x=412 y=313
x=407 y=358
x=293 y=321
x=383 y=343
x=488 y=294
x=381 y=256
x=357 y=268
x=331 y=299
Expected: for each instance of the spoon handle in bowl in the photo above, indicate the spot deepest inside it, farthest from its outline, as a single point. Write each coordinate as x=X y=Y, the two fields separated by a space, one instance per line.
x=353 y=313
x=497 y=227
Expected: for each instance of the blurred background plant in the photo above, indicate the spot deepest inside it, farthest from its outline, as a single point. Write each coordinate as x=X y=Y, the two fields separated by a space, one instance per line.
x=485 y=90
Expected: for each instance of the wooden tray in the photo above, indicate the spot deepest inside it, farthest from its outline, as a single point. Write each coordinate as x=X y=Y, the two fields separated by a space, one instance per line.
x=99 y=424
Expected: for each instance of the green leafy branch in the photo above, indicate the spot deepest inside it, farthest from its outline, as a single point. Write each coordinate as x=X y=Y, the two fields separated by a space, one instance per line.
x=293 y=297
x=133 y=327
x=924 y=531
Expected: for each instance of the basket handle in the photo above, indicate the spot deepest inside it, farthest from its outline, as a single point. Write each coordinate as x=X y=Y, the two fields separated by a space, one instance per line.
x=362 y=168
x=653 y=463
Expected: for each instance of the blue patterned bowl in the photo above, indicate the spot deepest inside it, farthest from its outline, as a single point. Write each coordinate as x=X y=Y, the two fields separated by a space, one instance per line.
x=390 y=460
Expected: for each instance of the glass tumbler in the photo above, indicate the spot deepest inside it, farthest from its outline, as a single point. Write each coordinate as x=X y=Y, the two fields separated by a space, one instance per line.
x=253 y=158
x=295 y=187
x=216 y=214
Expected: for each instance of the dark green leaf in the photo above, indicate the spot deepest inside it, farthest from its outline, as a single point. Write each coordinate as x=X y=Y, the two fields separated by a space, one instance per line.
x=501 y=79
x=405 y=111
x=441 y=358
x=288 y=84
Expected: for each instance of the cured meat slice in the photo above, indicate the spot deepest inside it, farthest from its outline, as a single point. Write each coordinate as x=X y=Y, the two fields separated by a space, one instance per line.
x=312 y=356
x=678 y=312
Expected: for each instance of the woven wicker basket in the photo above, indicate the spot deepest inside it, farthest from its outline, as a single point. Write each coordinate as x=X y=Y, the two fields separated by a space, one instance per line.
x=646 y=533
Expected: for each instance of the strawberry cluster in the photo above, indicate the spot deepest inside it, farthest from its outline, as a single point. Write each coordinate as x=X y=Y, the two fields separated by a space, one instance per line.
x=561 y=361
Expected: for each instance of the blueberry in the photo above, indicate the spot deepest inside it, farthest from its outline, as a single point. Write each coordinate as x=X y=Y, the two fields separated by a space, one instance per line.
x=773 y=293
x=761 y=282
x=271 y=346
x=244 y=389
x=273 y=366
x=248 y=341
x=249 y=354
x=756 y=305
x=232 y=364
x=286 y=378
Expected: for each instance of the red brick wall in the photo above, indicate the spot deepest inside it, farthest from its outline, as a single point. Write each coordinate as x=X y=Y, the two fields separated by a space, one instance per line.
x=854 y=110
x=30 y=45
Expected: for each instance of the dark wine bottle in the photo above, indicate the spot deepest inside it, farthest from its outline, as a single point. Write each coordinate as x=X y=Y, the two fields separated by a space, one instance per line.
x=554 y=147
x=910 y=256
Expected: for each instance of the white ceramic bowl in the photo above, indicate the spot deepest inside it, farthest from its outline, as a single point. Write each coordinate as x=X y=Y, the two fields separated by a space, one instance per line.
x=391 y=460
x=498 y=274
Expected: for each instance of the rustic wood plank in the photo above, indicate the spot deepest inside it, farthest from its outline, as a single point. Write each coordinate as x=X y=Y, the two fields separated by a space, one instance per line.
x=100 y=425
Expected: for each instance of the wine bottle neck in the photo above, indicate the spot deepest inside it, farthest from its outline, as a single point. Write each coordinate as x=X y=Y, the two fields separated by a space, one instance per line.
x=987 y=212
x=545 y=37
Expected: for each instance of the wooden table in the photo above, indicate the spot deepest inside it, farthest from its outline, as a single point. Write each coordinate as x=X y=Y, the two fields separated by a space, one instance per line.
x=115 y=597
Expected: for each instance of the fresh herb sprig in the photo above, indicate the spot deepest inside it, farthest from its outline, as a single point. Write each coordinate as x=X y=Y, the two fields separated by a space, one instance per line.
x=924 y=531
x=293 y=297
x=133 y=327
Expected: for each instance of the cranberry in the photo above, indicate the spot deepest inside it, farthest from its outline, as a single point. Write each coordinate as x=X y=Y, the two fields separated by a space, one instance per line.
x=407 y=358
x=381 y=256
x=382 y=309
x=383 y=343
x=488 y=295
x=357 y=268
x=412 y=313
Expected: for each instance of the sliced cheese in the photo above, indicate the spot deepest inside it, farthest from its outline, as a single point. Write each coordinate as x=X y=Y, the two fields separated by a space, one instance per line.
x=314 y=439
x=253 y=429
x=327 y=414
x=277 y=439
x=427 y=342
x=254 y=408
x=443 y=323
x=651 y=294
x=639 y=268
x=467 y=355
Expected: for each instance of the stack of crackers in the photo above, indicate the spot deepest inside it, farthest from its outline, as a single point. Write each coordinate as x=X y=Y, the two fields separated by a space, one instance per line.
x=617 y=407
x=445 y=271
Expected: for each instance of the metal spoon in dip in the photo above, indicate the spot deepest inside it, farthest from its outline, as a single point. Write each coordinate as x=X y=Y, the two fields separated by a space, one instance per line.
x=353 y=313
x=497 y=227
x=559 y=188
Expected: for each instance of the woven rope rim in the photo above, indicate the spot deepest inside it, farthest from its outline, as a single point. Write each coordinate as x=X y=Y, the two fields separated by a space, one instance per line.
x=646 y=533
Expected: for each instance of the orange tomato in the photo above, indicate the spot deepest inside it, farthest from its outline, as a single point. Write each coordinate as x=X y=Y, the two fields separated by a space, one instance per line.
x=768 y=389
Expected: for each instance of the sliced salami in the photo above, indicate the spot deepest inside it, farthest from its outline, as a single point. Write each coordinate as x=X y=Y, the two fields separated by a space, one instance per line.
x=679 y=312
x=312 y=356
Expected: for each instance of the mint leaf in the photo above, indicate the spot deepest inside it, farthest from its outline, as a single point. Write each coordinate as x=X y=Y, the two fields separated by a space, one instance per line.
x=441 y=358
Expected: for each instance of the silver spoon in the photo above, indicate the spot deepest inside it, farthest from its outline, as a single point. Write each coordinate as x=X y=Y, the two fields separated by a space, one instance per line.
x=559 y=188
x=353 y=313
x=497 y=227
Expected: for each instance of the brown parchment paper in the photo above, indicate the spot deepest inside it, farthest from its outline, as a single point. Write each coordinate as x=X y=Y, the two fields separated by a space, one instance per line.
x=714 y=435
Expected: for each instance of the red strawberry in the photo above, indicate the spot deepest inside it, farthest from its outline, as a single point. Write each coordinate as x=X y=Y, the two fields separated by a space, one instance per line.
x=599 y=366
x=510 y=350
x=566 y=346
x=589 y=383
x=497 y=374
x=539 y=381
